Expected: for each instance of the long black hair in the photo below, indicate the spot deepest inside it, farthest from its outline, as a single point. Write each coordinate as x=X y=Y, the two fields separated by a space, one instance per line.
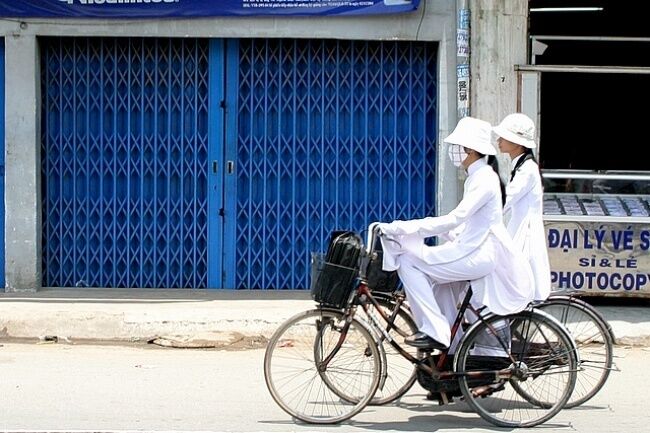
x=494 y=163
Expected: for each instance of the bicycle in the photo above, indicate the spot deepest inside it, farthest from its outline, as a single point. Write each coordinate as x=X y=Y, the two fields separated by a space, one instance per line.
x=592 y=334
x=325 y=365
x=594 y=339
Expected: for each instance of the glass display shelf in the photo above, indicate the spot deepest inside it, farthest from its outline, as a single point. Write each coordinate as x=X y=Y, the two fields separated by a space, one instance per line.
x=596 y=196
x=597 y=205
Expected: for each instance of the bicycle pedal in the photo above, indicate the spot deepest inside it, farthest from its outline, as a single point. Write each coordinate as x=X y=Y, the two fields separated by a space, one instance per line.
x=441 y=397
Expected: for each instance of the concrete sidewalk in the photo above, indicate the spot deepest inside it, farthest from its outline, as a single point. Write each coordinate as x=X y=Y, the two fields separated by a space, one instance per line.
x=204 y=318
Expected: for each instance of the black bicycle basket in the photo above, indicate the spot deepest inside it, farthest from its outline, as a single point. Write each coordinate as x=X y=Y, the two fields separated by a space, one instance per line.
x=333 y=274
x=378 y=279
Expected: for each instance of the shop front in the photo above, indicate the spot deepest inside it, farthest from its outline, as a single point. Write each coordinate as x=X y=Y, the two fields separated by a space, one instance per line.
x=219 y=148
x=598 y=238
x=586 y=86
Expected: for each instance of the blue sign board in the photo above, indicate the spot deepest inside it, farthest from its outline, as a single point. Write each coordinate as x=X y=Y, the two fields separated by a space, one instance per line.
x=196 y=8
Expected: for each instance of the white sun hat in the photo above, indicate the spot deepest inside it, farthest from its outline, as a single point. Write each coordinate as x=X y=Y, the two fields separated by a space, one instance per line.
x=517 y=128
x=473 y=133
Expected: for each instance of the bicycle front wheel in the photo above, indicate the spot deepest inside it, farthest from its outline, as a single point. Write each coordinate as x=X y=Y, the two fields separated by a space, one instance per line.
x=594 y=341
x=320 y=369
x=517 y=370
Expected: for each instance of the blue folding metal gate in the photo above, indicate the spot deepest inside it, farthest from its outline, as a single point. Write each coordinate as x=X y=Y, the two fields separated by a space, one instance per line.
x=124 y=166
x=224 y=163
x=331 y=135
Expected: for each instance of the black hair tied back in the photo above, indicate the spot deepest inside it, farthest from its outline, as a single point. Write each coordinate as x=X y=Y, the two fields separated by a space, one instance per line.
x=528 y=154
x=494 y=163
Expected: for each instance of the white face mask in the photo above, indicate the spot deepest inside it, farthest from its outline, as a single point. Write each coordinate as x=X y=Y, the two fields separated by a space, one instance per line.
x=457 y=154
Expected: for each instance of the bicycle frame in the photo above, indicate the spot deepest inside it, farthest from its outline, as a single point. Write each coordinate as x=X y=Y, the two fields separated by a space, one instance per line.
x=437 y=371
x=364 y=294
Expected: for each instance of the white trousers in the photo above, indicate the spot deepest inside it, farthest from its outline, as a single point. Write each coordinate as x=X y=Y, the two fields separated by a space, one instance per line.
x=435 y=290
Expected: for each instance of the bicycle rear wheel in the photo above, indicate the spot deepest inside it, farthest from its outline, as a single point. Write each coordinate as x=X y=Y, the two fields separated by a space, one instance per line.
x=524 y=380
x=400 y=373
x=303 y=386
x=594 y=340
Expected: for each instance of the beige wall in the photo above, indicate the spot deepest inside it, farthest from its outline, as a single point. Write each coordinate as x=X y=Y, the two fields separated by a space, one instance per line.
x=499 y=41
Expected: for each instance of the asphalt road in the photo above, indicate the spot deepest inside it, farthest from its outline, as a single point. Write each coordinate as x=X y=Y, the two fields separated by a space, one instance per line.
x=64 y=387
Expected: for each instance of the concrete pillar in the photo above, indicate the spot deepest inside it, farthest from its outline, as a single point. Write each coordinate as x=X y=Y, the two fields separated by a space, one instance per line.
x=499 y=38
x=499 y=41
x=22 y=153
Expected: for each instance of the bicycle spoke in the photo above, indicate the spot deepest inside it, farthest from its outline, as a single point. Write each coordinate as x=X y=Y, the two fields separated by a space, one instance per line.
x=541 y=377
x=593 y=340
x=337 y=391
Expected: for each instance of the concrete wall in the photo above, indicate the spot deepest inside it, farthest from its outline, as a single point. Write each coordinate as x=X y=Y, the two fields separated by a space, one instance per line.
x=498 y=42
x=22 y=172
x=435 y=20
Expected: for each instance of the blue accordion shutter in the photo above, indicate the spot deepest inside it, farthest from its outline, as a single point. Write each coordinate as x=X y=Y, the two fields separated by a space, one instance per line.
x=331 y=135
x=224 y=163
x=124 y=162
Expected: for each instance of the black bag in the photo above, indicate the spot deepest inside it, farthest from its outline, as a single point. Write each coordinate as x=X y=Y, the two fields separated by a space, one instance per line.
x=333 y=275
x=378 y=279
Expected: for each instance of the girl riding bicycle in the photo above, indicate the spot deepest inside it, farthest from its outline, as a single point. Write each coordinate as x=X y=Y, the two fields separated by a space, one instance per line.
x=524 y=198
x=479 y=249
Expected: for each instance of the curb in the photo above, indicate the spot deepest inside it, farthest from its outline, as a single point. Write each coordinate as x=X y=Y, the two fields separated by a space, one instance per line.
x=192 y=318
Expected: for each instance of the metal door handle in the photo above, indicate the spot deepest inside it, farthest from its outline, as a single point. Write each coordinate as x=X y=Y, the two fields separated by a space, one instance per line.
x=230 y=167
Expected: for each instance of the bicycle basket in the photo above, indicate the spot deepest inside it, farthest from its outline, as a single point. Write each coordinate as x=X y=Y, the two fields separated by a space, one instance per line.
x=331 y=284
x=378 y=279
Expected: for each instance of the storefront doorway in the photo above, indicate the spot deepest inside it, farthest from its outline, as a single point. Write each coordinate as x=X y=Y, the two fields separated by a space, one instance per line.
x=195 y=163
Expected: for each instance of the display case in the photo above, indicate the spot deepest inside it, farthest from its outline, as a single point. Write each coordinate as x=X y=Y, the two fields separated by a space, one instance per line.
x=598 y=231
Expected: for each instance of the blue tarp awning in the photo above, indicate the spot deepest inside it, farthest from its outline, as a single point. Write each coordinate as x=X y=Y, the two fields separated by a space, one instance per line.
x=125 y=9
